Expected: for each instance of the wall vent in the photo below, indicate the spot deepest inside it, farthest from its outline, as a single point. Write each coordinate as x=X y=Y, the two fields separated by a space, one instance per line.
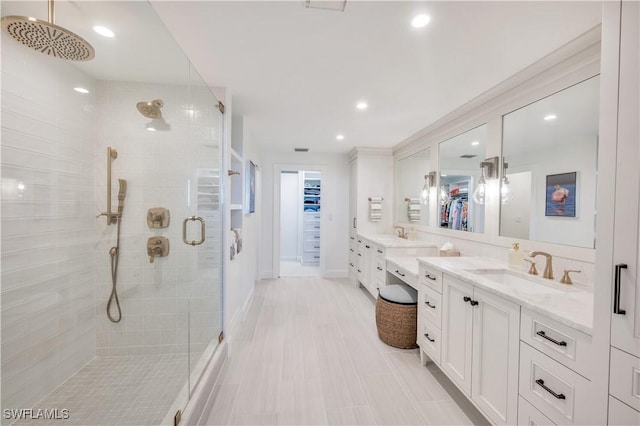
x=301 y=149
x=468 y=156
x=337 y=5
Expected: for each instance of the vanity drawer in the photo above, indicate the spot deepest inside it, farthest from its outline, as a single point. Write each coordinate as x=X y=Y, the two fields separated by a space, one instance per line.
x=310 y=257
x=621 y=414
x=566 y=345
x=559 y=393
x=312 y=217
x=404 y=275
x=379 y=251
x=624 y=378
x=379 y=270
x=528 y=415
x=429 y=337
x=313 y=235
x=430 y=304
x=431 y=277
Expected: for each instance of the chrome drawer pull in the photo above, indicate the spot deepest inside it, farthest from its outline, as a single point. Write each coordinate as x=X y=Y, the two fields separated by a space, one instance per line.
x=380 y=251
x=430 y=277
x=430 y=305
x=367 y=246
x=540 y=382
x=544 y=336
x=399 y=273
x=428 y=338
x=379 y=268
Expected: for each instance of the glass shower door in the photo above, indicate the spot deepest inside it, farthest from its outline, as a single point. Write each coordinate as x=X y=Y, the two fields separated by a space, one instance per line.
x=202 y=226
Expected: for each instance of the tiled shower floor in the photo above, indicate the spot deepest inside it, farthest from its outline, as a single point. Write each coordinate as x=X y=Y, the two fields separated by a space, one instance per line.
x=118 y=391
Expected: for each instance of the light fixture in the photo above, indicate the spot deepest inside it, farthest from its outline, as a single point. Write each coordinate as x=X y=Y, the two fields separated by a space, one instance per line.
x=420 y=21
x=340 y=137
x=550 y=117
x=491 y=167
x=104 y=31
x=429 y=182
x=475 y=143
x=505 y=190
x=362 y=105
x=81 y=90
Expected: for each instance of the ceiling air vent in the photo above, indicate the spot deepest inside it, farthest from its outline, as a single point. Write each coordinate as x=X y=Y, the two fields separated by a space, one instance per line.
x=468 y=156
x=301 y=149
x=337 y=5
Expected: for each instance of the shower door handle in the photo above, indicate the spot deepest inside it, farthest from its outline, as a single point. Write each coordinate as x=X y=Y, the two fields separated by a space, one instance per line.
x=184 y=231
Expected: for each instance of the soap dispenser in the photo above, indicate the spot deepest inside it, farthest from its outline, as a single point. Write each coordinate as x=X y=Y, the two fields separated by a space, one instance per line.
x=516 y=259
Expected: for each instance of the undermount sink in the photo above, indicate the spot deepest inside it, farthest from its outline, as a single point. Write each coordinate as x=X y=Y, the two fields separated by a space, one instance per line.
x=523 y=282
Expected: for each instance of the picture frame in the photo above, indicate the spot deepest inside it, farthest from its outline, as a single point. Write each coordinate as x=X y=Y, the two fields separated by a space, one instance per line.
x=251 y=187
x=560 y=195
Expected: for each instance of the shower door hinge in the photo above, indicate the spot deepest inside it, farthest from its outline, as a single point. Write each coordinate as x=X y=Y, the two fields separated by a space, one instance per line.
x=221 y=107
x=221 y=337
x=177 y=417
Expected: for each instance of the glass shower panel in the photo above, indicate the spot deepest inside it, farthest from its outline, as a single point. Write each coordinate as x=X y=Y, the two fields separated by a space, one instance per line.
x=58 y=342
x=204 y=203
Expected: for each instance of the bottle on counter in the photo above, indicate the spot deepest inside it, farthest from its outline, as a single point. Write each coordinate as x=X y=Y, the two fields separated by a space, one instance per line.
x=516 y=258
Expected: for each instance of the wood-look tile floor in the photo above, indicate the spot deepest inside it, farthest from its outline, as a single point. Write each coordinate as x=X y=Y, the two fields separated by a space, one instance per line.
x=309 y=353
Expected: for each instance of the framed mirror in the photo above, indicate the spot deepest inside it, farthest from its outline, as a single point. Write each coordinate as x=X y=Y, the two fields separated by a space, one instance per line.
x=412 y=197
x=459 y=161
x=550 y=148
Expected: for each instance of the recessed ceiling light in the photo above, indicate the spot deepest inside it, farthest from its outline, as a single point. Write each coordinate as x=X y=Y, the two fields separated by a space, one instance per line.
x=340 y=137
x=550 y=117
x=474 y=143
x=362 y=105
x=151 y=129
x=443 y=175
x=104 y=31
x=420 y=21
x=81 y=90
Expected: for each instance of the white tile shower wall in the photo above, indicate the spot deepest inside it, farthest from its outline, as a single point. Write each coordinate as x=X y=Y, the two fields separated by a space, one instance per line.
x=48 y=329
x=161 y=170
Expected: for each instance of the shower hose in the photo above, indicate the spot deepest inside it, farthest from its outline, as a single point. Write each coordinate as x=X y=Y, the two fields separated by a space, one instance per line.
x=114 y=252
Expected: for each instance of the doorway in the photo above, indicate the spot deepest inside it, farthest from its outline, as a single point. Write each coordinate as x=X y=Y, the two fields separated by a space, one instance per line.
x=300 y=223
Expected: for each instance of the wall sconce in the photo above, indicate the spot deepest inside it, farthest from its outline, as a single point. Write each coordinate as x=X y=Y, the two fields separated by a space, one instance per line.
x=489 y=169
x=429 y=182
x=505 y=190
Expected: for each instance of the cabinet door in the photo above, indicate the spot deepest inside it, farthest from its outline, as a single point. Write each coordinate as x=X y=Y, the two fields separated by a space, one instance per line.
x=496 y=330
x=625 y=328
x=457 y=332
x=621 y=414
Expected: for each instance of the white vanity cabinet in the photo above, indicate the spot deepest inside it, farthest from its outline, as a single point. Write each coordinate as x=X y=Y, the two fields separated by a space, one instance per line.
x=625 y=321
x=480 y=347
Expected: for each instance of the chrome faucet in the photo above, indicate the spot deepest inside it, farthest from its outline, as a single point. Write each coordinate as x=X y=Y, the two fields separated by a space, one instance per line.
x=401 y=232
x=548 y=267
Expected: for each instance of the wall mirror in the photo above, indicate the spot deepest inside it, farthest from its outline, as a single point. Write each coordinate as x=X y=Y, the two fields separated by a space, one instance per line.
x=413 y=199
x=459 y=160
x=550 y=148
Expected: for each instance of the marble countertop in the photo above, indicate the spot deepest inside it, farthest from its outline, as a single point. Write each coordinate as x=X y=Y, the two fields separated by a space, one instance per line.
x=571 y=305
x=391 y=241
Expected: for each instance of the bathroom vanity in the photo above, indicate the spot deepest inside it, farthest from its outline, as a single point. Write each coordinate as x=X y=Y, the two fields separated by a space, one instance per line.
x=507 y=339
x=368 y=258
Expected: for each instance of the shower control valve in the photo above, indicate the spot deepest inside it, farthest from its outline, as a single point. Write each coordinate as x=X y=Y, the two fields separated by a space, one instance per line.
x=158 y=217
x=157 y=247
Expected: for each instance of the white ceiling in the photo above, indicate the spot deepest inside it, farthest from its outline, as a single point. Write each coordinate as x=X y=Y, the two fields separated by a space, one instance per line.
x=297 y=73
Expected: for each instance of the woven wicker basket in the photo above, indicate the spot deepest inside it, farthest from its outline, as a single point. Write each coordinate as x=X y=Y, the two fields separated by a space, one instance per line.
x=396 y=323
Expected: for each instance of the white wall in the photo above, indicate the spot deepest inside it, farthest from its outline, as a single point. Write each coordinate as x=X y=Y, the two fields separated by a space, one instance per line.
x=515 y=215
x=48 y=327
x=290 y=207
x=335 y=207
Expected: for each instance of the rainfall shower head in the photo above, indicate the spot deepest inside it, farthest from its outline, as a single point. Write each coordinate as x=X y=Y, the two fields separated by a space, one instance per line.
x=151 y=109
x=46 y=37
